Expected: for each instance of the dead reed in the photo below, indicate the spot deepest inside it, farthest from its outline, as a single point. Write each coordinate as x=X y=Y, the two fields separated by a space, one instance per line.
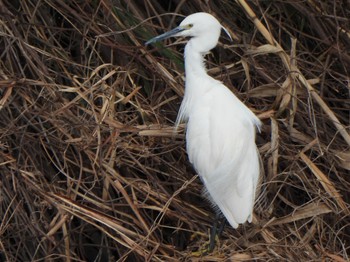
x=91 y=169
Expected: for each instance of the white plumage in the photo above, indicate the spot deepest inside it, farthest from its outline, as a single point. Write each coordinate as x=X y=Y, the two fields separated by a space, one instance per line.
x=221 y=130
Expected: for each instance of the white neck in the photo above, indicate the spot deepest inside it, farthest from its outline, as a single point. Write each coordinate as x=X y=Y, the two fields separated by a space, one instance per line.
x=194 y=61
x=196 y=74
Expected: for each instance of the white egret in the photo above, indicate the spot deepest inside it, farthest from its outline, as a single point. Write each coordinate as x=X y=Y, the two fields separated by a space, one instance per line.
x=220 y=133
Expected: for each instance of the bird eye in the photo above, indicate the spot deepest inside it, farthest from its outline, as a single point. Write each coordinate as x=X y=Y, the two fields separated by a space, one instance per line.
x=190 y=26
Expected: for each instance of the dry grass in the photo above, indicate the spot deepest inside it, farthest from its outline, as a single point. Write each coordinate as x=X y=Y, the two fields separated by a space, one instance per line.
x=91 y=169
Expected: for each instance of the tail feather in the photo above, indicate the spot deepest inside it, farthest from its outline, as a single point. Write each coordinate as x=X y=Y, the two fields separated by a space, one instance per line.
x=233 y=187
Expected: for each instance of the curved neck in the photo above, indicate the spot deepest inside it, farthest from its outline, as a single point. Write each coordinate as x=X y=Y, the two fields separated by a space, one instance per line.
x=194 y=60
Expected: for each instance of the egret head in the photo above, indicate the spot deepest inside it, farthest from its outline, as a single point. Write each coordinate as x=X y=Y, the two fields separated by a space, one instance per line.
x=203 y=28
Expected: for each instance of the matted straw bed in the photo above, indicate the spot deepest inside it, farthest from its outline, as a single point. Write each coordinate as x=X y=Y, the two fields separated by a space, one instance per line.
x=91 y=169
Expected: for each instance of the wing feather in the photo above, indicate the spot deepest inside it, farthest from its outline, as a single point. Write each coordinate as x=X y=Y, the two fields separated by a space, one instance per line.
x=221 y=146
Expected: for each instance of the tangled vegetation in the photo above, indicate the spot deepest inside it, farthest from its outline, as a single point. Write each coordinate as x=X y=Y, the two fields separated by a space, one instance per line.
x=91 y=168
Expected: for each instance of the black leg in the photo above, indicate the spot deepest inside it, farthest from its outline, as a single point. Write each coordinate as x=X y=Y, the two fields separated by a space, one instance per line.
x=216 y=231
x=222 y=226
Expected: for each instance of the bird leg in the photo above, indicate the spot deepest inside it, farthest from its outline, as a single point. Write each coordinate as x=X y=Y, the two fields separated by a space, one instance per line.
x=215 y=231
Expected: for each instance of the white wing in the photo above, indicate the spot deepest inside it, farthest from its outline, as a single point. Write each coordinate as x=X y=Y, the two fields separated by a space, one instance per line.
x=221 y=146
